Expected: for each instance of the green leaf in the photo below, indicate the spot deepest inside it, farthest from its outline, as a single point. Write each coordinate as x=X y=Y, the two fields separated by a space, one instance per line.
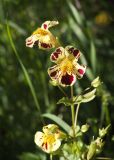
x=77 y=31
x=17 y=28
x=24 y=71
x=31 y=156
x=83 y=98
x=89 y=72
x=58 y=120
x=89 y=94
x=75 y=13
x=87 y=97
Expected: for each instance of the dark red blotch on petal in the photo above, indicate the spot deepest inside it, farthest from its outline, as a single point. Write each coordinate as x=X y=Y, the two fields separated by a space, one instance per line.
x=71 y=49
x=53 y=58
x=45 y=45
x=56 y=54
x=67 y=79
x=45 y=26
x=46 y=145
x=81 y=71
x=53 y=74
x=76 y=52
x=58 y=50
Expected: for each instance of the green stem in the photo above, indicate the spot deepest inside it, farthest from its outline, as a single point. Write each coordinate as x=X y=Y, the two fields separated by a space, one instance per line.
x=104 y=158
x=72 y=112
x=73 y=126
x=76 y=115
x=51 y=157
x=62 y=91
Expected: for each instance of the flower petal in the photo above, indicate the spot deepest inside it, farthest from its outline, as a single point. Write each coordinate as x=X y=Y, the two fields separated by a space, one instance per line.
x=57 y=55
x=48 y=24
x=50 y=128
x=71 y=50
x=80 y=70
x=53 y=72
x=38 y=138
x=30 y=41
x=51 y=147
x=47 y=41
x=68 y=80
x=56 y=145
x=43 y=45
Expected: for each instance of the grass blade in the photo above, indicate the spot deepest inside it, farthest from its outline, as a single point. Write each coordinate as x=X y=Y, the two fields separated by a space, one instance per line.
x=77 y=31
x=24 y=71
x=89 y=72
x=75 y=13
x=93 y=56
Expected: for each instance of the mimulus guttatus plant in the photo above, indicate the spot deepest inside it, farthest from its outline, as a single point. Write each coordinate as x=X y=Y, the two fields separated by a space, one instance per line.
x=65 y=73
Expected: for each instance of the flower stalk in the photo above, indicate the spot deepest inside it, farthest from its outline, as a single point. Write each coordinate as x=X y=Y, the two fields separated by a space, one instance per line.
x=72 y=112
x=76 y=114
x=51 y=157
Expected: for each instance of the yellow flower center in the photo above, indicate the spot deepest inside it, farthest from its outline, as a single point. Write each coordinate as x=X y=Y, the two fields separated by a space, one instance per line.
x=41 y=32
x=49 y=138
x=67 y=65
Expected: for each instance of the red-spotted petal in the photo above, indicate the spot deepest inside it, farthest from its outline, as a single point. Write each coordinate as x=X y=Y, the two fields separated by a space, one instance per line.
x=71 y=50
x=53 y=72
x=57 y=55
x=48 y=24
x=51 y=147
x=30 y=41
x=68 y=80
x=80 y=70
x=45 y=45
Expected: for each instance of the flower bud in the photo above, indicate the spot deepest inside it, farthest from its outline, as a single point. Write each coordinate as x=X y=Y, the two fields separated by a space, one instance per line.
x=96 y=82
x=92 y=150
x=85 y=128
x=103 y=131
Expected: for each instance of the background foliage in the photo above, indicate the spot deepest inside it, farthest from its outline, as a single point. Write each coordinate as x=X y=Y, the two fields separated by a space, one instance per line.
x=88 y=25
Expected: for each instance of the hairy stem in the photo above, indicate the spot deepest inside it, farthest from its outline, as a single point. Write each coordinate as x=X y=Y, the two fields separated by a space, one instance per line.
x=51 y=157
x=76 y=114
x=62 y=91
x=72 y=112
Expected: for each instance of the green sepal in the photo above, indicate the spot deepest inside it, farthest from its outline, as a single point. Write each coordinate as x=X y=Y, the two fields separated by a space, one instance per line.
x=104 y=131
x=92 y=150
x=96 y=82
x=53 y=83
x=66 y=101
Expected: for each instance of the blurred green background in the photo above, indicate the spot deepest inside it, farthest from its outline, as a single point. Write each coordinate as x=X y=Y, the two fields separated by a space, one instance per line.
x=89 y=26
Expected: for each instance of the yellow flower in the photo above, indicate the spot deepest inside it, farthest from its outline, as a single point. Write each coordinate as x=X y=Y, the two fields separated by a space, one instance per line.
x=49 y=140
x=103 y=18
x=66 y=69
x=43 y=37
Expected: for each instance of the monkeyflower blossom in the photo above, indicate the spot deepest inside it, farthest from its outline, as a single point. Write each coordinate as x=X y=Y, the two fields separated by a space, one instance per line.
x=67 y=69
x=50 y=139
x=43 y=37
